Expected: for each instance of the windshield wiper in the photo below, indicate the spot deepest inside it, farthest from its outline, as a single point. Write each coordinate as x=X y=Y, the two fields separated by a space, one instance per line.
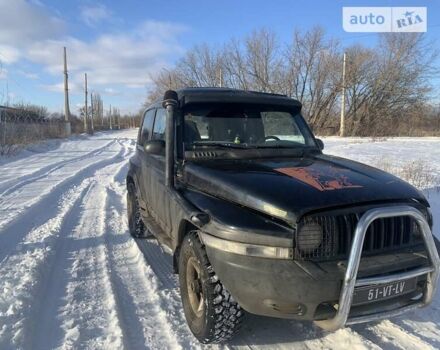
x=219 y=144
x=300 y=148
x=276 y=146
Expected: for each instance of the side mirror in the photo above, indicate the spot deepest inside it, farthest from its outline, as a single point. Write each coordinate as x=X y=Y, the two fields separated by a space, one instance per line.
x=156 y=147
x=320 y=144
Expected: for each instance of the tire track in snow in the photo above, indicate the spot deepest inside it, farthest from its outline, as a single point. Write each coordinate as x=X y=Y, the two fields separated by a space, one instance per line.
x=89 y=313
x=47 y=333
x=40 y=211
x=65 y=150
x=43 y=332
x=390 y=336
x=145 y=322
x=420 y=322
x=14 y=202
x=23 y=272
x=34 y=276
x=13 y=185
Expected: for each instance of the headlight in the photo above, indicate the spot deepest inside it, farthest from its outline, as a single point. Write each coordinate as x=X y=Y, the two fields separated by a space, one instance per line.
x=248 y=249
x=309 y=237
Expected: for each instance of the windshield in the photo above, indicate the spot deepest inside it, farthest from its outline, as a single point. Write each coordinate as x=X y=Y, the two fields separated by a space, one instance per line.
x=245 y=127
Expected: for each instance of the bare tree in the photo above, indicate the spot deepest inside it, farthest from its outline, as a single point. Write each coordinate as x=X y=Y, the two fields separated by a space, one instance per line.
x=387 y=85
x=262 y=61
x=201 y=67
x=313 y=74
x=235 y=66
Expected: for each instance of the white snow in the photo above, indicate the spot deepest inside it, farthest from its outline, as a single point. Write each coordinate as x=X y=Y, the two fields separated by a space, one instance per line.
x=71 y=277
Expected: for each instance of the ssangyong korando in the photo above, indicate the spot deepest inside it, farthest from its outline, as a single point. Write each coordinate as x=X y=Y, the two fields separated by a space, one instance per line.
x=259 y=220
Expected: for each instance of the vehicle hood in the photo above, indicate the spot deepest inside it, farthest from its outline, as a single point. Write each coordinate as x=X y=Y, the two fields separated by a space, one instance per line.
x=289 y=188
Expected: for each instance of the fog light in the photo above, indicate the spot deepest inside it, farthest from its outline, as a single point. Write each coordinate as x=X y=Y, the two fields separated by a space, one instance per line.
x=309 y=237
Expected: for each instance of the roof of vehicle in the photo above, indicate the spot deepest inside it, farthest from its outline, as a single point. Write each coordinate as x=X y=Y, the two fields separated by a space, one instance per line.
x=194 y=95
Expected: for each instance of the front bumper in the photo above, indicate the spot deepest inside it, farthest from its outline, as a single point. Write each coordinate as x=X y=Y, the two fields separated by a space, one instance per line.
x=272 y=287
x=286 y=288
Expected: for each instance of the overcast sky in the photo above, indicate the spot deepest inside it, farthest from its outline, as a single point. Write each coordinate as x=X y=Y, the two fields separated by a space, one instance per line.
x=121 y=44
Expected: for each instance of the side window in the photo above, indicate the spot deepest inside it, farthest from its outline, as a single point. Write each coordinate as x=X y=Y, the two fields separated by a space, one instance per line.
x=147 y=126
x=160 y=125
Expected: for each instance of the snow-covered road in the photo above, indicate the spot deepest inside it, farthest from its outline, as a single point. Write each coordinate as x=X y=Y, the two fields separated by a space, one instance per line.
x=71 y=276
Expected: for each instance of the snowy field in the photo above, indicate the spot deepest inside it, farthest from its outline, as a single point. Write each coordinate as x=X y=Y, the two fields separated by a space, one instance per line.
x=71 y=277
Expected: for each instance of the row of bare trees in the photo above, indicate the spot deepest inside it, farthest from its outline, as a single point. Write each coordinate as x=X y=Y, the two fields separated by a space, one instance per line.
x=386 y=84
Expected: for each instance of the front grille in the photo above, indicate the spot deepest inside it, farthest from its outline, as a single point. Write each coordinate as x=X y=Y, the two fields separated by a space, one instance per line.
x=383 y=235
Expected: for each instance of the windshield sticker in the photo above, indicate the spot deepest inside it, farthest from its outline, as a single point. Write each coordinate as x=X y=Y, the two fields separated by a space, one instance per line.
x=327 y=179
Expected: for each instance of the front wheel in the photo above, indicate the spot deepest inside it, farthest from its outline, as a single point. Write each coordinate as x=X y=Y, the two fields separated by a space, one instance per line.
x=212 y=314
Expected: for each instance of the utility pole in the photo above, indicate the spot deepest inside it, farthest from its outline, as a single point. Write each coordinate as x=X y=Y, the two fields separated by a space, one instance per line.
x=342 y=127
x=85 y=103
x=67 y=128
x=110 y=117
x=92 y=128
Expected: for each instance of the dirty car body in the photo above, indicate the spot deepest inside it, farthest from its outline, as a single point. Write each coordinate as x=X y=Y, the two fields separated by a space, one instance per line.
x=289 y=231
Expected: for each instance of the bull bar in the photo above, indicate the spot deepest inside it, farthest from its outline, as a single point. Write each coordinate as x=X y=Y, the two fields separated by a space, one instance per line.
x=350 y=279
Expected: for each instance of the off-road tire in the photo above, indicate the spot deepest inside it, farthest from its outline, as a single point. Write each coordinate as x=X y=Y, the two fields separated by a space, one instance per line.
x=135 y=223
x=221 y=316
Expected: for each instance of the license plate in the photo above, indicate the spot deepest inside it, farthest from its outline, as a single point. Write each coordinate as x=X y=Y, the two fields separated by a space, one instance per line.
x=368 y=294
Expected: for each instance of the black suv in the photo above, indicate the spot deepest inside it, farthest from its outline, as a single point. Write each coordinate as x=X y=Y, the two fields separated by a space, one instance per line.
x=260 y=220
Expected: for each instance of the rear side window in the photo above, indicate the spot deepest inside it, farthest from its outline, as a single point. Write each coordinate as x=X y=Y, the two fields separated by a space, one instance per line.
x=147 y=126
x=160 y=124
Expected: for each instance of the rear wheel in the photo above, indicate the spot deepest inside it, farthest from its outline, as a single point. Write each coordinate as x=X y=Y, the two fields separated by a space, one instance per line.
x=135 y=223
x=212 y=313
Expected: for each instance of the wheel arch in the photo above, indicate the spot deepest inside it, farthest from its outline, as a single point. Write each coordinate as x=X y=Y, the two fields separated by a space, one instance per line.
x=185 y=227
x=131 y=178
